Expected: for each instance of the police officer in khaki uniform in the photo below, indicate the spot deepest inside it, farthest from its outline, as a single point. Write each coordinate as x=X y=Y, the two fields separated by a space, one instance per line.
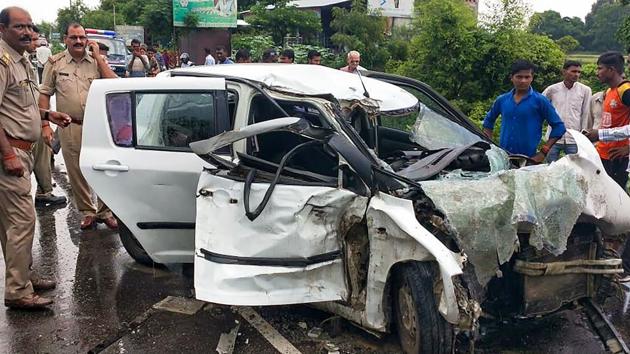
x=20 y=127
x=69 y=75
x=42 y=151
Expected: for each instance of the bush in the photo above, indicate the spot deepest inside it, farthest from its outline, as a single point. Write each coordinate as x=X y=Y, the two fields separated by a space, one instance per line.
x=255 y=43
x=329 y=58
x=589 y=78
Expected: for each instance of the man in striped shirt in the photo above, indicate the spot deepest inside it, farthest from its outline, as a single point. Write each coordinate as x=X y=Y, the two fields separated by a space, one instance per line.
x=612 y=134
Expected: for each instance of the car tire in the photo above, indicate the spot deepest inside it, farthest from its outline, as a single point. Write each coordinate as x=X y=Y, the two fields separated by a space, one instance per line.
x=420 y=326
x=132 y=246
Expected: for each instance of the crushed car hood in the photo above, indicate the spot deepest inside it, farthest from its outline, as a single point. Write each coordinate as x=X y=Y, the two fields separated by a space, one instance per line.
x=486 y=213
x=316 y=80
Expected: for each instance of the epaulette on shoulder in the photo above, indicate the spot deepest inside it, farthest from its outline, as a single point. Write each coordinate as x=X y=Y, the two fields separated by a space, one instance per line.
x=55 y=58
x=5 y=58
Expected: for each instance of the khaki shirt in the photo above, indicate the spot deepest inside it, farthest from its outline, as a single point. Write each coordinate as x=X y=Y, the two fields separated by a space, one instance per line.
x=19 y=114
x=597 y=103
x=70 y=81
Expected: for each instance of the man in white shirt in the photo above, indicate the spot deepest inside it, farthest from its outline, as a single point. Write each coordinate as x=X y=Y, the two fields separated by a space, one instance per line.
x=209 y=58
x=42 y=54
x=353 y=60
x=571 y=100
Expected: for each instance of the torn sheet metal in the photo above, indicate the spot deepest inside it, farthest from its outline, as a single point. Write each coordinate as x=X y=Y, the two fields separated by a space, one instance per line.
x=299 y=222
x=396 y=236
x=485 y=214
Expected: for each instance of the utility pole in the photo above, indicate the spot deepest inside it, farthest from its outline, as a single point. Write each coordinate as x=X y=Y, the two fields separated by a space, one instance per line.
x=114 y=17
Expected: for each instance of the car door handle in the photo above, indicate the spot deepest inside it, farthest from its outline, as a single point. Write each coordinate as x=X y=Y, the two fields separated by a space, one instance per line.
x=110 y=167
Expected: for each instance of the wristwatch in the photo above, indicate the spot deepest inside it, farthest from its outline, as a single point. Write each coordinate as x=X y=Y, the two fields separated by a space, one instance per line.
x=46 y=114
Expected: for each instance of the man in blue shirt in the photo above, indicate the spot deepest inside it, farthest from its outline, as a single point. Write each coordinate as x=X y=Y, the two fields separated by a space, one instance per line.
x=222 y=57
x=523 y=112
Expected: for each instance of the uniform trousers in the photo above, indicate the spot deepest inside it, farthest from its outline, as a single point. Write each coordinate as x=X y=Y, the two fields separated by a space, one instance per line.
x=17 y=227
x=41 y=167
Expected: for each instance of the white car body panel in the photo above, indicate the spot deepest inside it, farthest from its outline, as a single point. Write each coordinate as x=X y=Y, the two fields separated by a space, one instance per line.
x=606 y=201
x=144 y=185
x=397 y=236
x=300 y=222
x=315 y=80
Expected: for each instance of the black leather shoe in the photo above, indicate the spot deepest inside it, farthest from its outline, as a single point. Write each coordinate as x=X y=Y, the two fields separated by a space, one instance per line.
x=50 y=199
x=43 y=284
x=30 y=302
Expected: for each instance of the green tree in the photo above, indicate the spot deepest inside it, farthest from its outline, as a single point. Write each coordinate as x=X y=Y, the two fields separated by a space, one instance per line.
x=623 y=33
x=602 y=25
x=506 y=15
x=98 y=19
x=551 y=24
x=568 y=43
x=443 y=52
x=157 y=19
x=46 y=28
x=470 y=64
x=72 y=13
x=360 y=31
x=283 y=20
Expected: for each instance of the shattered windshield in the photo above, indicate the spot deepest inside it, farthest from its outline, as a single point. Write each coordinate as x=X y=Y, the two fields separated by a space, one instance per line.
x=430 y=128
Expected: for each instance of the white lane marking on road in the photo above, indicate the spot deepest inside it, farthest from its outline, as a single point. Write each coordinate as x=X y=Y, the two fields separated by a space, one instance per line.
x=266 y=330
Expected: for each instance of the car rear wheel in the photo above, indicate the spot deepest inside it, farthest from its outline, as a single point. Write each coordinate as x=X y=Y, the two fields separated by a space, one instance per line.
x=420 y=327
x=132 y=246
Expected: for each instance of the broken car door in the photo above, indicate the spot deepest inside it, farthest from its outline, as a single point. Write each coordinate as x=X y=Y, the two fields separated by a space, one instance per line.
x=268 y=226
x=139 y=153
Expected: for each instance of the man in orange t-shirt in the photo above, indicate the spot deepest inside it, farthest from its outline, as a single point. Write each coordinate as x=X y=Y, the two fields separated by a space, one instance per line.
x=615 y=113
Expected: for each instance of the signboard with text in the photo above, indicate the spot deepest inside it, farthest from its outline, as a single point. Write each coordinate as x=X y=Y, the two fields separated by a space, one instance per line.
x=214 y=13
x=392 y=8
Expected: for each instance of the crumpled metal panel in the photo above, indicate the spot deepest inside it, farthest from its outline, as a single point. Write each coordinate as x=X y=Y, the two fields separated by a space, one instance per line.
x=243 y=285
x=396 y=236
x=298 y=222
x=485 y=211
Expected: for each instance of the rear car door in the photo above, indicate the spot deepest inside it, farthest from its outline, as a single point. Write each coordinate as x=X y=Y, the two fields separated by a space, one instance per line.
x=135 y=154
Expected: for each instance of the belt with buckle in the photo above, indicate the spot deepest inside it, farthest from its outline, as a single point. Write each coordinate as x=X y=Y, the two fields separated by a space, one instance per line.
x=21 y=144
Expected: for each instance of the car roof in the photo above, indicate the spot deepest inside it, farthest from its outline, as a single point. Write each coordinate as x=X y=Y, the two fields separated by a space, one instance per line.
x=315 y=80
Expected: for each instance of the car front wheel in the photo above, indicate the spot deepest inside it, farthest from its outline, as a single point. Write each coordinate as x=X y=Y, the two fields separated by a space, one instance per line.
x=421 y=328
x=132 y=246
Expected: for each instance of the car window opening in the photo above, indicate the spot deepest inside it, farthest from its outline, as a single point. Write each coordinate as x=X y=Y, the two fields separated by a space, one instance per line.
x=273 y=146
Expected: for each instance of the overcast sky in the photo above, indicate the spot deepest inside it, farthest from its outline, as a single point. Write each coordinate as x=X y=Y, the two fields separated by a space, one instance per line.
x=47 y=9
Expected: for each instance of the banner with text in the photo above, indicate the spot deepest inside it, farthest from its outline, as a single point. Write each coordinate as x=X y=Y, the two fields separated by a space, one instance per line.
x=392 y=8
x=213 y=13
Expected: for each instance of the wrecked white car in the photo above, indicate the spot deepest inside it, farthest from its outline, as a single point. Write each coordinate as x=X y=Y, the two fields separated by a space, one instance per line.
x=371 y=197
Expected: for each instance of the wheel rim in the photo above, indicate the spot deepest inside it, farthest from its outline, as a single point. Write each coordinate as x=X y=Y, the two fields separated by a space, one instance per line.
x=407 y=320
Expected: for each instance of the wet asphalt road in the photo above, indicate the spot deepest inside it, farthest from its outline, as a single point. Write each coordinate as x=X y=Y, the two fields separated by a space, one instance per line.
x=104 y=302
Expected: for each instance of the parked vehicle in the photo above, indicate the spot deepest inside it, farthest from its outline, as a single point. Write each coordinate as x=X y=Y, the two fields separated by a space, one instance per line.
x=371 y=197
x=118 y=56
